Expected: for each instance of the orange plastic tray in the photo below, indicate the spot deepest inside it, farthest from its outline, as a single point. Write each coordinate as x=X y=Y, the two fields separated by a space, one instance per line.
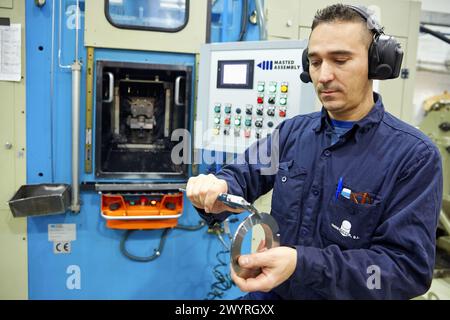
x=148 y=212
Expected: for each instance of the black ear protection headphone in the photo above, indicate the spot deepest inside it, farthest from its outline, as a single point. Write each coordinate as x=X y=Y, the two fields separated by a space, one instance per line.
x=385 y=53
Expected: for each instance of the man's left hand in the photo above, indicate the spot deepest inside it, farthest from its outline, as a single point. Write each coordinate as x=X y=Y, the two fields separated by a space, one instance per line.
x=277 y=265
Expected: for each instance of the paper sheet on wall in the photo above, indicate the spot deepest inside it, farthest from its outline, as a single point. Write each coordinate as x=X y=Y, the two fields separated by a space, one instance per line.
x=10 y=52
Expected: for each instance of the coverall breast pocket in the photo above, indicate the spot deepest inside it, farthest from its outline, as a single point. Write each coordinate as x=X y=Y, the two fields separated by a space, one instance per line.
x=287 y=190
x=349 y=225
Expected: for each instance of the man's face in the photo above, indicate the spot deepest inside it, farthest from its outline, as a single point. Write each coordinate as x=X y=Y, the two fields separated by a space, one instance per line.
x=338 y=55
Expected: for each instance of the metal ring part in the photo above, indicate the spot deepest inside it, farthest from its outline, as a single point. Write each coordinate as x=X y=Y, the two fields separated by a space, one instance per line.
x=271 y=236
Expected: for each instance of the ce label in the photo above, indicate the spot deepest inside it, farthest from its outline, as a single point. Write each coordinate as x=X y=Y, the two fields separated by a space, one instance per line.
x=61 y=247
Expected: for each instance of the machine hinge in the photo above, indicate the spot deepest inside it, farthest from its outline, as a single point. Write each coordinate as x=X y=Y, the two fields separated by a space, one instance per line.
x=405 y=73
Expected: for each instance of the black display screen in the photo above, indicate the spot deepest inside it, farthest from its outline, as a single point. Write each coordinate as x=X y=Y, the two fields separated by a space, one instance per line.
x=235 y=74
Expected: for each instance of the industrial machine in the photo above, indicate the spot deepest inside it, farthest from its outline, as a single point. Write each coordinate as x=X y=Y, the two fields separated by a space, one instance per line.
x=436 y=124
x=113 y=87
x=110 y=100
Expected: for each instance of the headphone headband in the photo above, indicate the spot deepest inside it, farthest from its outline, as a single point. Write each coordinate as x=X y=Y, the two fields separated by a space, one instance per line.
x=372 y=23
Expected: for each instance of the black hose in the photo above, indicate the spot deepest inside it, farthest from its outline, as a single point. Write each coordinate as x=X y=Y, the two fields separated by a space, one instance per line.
x=434 y=33
x=158 y=251
x=244 y=20
x=143 y=259
x=200 y=225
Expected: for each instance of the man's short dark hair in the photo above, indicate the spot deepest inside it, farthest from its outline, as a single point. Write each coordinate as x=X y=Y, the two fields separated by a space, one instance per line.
x=334 y=13
x=337 y=13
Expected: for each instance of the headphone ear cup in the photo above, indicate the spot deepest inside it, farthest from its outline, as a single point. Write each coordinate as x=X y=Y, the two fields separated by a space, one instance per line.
x=385 y=58
x=304 y=76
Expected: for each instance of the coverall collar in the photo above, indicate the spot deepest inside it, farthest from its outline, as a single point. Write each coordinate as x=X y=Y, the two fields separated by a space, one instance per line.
x=373 y=117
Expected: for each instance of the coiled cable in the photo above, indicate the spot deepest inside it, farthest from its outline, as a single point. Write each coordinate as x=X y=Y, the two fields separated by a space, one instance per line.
x=223 y=279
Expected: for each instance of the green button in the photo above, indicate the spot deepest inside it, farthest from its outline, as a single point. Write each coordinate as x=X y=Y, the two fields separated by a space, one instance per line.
x=248 y=122
x=228 y=109
x=237 y=122
x=217 y=109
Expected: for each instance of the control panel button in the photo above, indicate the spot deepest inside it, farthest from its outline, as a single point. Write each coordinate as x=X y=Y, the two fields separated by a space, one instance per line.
x=259 y=111
x=216 y=131
x=247 y=133
x=237 y=132
x=270 y=124
x=271 y=100
x=217 y=119
x=258 y=133
x=259 y=123
x=282 y=112
x=271 y=112
x=226 y=131
x=272 y=87
x=238 y=110
x=260 y=100
x=228 y=108
x=217 y=108
x=284 y=87
x=248 y=109
x=260 y=87
x=237 y=122
x=248 y=122
x=227 y=121
x=283 y=100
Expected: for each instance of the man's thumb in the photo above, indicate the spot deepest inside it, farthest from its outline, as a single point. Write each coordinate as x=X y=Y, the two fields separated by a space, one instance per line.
x=251 y=260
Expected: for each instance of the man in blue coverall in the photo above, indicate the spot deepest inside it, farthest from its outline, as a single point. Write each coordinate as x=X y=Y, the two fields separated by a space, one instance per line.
x=357 y=191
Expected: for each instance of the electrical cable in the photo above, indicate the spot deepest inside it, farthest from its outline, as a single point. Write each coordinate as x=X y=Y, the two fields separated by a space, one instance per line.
x=160 y=248
x=221 y=271
x=244 y=21
x=223 y=279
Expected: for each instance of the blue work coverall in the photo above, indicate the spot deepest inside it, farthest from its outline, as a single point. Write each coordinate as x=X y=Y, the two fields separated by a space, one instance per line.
x=384 y=249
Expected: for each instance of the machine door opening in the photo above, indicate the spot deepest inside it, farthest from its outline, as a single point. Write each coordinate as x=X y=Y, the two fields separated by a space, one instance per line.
x=138 y=107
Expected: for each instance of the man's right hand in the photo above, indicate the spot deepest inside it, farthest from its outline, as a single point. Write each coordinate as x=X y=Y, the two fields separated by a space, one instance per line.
x=203 y=191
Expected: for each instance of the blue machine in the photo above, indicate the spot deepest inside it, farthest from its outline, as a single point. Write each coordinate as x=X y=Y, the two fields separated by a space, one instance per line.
x=95 y=268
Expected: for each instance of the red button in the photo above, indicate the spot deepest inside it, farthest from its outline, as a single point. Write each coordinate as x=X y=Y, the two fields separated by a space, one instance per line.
x=282 y=113
x=227 y=121
x=260 y=100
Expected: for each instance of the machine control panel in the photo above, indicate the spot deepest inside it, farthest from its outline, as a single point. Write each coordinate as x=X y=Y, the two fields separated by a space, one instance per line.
x=246 y=90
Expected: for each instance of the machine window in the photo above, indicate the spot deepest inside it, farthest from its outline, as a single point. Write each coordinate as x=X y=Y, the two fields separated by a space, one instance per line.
x=154 y=15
